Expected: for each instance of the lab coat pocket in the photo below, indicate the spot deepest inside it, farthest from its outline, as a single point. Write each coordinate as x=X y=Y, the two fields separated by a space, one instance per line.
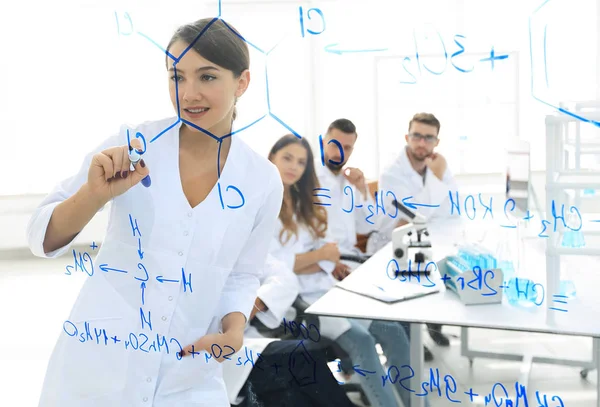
x=192 y=372
x=94 y=356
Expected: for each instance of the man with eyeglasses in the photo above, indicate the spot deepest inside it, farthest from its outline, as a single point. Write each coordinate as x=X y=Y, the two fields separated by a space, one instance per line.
x=422 y=173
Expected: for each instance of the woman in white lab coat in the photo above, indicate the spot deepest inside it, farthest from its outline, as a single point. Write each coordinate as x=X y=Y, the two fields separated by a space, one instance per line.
x=167 y=297
x=301 y=242
x=280 y=373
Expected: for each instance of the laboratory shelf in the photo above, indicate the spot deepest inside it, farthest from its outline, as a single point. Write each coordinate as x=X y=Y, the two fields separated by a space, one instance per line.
x=575 y=180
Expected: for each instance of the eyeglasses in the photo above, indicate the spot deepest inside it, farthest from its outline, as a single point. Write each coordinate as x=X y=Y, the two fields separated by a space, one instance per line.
x=428 y=138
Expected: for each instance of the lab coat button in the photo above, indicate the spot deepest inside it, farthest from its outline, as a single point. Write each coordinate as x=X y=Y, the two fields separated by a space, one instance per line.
x=180 y=253
x=164 y=318
x=145 y=399
x=170 y=298
x=149 y=379
x=190 y=214
x=186 y=233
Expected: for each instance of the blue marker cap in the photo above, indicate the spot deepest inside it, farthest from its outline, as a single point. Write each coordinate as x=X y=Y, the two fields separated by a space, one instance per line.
x=135 y=157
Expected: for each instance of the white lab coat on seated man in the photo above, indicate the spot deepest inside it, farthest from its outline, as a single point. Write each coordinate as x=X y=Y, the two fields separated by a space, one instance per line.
x=349 y=212
x=401 y=178
x=278 y=290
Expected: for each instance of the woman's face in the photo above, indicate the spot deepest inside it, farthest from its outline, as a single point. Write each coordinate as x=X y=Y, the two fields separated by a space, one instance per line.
x=206 y=92
x=291 y=163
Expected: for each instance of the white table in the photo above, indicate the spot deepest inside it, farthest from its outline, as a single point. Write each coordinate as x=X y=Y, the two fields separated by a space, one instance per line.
x=445 y=308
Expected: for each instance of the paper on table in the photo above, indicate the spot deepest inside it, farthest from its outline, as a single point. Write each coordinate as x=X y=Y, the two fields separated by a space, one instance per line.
x=380 y=287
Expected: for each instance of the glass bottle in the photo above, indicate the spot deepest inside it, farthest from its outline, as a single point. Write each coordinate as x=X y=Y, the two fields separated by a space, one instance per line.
x=574 y=239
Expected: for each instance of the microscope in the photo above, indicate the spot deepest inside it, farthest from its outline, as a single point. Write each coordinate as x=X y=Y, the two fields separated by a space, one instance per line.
x=410 y=244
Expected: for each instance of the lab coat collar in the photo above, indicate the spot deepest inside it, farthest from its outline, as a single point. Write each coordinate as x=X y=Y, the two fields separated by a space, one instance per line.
x=324 y=171
x=234 y=158
x=407 y=168
x=404 y=161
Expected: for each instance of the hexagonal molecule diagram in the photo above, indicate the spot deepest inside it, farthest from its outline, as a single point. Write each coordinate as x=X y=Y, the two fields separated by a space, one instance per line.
x=562 y=62
x=125 y=27
x=302 y=366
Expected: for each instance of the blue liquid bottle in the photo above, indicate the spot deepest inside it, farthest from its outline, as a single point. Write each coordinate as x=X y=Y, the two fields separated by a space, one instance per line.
x=567 y=287
x=574 y=239
x=523 y=292
x=504 y=261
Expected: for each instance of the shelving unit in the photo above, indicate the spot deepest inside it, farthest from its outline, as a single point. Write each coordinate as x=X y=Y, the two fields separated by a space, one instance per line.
x=576 y=145
x=565 y=180
x=519 y=170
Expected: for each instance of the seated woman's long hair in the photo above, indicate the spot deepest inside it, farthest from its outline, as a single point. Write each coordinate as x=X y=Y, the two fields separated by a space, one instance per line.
x=303 y=204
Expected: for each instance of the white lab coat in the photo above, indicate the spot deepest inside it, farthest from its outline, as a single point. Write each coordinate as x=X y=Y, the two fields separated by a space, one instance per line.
x=400 y=178
x=349 y=212
x=278 y=290
x=312 y=286
x=211 y=256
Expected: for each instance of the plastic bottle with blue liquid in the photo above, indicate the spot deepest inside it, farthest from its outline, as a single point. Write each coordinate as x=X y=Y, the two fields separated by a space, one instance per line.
x=518 y=289
x=574 y=239
x=504 y=260
x=523 y=292
x=472 y=256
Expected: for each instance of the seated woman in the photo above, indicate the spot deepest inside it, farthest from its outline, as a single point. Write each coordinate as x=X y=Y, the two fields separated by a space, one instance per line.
x=301 y=242
x=279 y=373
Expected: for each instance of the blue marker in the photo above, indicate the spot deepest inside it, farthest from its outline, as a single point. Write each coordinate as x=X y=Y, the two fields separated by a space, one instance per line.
x=135 y=158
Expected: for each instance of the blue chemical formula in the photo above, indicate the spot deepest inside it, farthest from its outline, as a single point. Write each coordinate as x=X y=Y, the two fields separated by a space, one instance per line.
x=448 y=389
x=470 y=208
x=445 y=388
x=518 y=291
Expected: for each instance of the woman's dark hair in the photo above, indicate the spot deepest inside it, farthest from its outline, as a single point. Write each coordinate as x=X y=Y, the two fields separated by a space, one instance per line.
x=313 y=216
x=216 y=41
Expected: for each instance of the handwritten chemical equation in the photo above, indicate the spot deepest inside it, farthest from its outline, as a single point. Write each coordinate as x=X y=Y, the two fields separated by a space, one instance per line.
x=466 y=208
x=84 y=263
x=498 y=394
x=458 y=40
x=143 y=343
x=470 y=211
x=312 y=332
x=316 y=19
x=140 y=342
x=518 y=290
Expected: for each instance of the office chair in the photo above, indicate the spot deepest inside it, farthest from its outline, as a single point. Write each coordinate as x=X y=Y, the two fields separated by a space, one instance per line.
x=355 y=258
